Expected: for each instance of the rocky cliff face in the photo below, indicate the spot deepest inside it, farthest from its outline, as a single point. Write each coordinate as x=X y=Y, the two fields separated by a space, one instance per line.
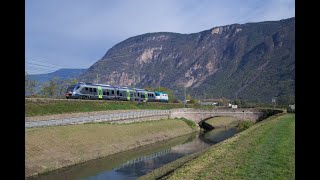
x=253 y=61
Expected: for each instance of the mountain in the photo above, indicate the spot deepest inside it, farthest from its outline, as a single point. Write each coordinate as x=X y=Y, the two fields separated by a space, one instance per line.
x=62 y=74
x=252 y=61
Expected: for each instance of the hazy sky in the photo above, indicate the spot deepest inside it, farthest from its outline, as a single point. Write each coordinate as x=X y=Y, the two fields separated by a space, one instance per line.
x=77 y=33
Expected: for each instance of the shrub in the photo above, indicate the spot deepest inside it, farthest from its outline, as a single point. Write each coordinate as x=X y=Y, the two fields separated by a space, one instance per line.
x=243 y=125
x=189 y=122
x=175 y=101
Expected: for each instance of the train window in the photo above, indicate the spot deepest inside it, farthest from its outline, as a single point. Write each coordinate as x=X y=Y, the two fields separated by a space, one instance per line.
x=77 y=87
x=70 y=88
x=138 y=94
x=86 y=89
x=107 y=93
x=112 y=92
x=118 y=93
x=90 y=89
x=104 y=93
x=94 y=90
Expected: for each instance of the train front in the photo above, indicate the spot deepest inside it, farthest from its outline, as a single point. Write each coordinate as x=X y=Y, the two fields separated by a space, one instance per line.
x=70 y=90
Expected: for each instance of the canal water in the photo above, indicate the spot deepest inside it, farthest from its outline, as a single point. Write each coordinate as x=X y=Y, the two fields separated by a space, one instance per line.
x=140 y=161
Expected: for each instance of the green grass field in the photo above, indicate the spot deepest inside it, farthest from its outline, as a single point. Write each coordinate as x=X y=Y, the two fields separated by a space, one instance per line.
x=264 y=151
x=54 y=147
x=59 y=107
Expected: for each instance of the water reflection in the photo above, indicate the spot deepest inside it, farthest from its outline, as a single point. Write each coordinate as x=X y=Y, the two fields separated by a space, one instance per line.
x=134 y=163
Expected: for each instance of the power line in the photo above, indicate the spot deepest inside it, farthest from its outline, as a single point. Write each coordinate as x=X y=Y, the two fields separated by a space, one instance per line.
x=33 y=71
x=43 y=62
x=39 y=68
x=41 y=65
x=51 y=64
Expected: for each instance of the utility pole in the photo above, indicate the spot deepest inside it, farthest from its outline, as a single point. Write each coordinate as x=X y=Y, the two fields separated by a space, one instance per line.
x=97 y=79
x=159 y=80
x=274 y=102
x=134 y=82
x=185 y=98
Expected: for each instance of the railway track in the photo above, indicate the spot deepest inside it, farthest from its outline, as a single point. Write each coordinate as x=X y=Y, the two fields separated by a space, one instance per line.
x=85 y=100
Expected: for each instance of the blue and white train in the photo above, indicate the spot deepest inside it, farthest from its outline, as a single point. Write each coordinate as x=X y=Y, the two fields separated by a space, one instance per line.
x=83 y=90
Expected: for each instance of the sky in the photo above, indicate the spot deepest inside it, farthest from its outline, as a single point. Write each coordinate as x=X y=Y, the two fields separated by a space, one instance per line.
x=77 y=33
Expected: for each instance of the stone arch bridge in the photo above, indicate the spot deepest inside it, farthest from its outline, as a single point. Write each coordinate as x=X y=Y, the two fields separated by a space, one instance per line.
x=199 y=115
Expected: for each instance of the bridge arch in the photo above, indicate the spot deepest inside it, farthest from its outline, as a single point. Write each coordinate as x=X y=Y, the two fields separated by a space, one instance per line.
x=201 y=115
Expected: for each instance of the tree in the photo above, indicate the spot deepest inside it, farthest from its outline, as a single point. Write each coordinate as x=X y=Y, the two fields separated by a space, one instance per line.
x=191 y=100
x=56 y=87
x=49 y=89
x=30 y=85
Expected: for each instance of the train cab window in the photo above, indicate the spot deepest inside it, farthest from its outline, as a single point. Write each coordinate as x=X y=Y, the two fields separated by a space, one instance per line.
x=131 y=94
x=77 y=87
x=86 y=89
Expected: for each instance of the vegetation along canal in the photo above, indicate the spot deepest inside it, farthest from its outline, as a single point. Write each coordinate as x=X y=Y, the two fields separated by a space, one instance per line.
x=140 y=161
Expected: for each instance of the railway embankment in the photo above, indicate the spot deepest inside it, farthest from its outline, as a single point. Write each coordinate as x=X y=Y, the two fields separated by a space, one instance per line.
x=46 y=106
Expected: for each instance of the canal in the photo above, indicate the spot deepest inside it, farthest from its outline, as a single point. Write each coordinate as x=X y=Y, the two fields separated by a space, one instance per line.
x=140 y=161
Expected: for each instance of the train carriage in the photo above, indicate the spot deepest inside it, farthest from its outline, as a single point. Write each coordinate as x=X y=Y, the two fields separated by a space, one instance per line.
x=107 y=92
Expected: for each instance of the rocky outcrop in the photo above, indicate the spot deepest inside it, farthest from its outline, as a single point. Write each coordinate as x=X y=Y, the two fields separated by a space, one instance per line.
x=253 y=61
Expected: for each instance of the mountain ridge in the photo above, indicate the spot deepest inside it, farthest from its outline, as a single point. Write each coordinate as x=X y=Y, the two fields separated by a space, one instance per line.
x=253 y=61
x=62 y=74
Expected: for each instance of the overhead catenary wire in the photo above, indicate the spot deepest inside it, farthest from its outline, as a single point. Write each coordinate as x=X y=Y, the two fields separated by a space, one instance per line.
x=44 y=63
x=50 y=64
x=33 y=66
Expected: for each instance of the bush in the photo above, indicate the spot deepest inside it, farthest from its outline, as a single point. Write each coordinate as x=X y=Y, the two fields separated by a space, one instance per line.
x=189 y=122
x=243 y=125
x=175 y=101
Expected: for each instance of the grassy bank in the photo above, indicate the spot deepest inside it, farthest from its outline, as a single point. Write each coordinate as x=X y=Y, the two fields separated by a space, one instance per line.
x=264 y=151
x=221 y=121
x=51 y=148
x=37 y=108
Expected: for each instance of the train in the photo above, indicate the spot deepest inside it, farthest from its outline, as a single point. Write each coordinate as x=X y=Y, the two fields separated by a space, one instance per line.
x=83 y=90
